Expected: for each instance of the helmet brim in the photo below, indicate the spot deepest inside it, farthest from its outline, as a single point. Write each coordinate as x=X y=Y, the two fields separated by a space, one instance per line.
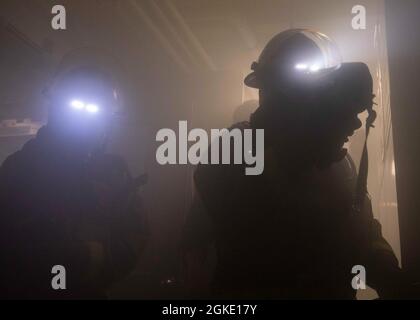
x=251 y=81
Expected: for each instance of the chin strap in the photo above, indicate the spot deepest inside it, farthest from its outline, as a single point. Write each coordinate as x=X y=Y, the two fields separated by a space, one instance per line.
x=361 y=184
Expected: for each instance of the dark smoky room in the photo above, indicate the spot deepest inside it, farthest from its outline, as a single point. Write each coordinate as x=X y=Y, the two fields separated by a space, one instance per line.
x=206 y=150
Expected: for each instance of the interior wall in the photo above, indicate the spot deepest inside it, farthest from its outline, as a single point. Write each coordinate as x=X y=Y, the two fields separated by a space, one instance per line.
x=402 y=24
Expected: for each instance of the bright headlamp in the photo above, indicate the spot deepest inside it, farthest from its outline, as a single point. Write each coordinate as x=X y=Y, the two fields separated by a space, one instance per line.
x=82 y=106
x=308 y=67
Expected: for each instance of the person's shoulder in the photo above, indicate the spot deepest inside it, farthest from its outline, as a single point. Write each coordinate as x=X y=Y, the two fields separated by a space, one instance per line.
x=18 y=160
x=11 y=161
x=243 y=125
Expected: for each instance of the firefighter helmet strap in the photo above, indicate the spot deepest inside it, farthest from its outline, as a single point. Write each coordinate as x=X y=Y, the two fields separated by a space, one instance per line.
x=361 y=184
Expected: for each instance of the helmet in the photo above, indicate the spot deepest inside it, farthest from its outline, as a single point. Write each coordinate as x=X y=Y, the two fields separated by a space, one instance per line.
x=304 y=63
x=306 y=66
x=86 y=82
x=294 y=55
x=83 y=99
x=87 y=90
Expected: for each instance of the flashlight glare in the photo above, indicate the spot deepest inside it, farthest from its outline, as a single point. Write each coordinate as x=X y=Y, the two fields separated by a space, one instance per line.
x=305 y=67
x=314 y=68
x=92 y=108
x=76 y=104
x=301 y=66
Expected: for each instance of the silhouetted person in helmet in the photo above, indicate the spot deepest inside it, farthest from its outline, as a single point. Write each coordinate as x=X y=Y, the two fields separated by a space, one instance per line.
x=298 y=229
x=65 y=202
